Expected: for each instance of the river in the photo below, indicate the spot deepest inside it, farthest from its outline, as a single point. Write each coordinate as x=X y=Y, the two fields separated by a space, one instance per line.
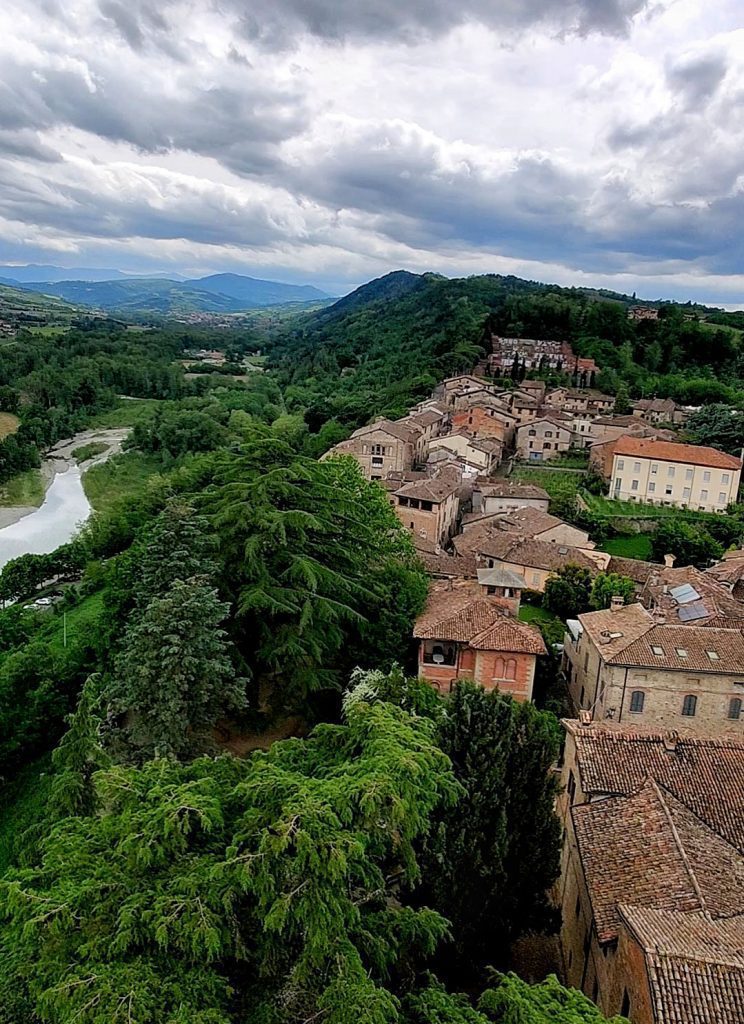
x=56 y=521
x=65 y=507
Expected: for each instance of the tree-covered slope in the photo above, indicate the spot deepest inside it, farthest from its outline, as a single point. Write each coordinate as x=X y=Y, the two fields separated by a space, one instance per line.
x=379 y=349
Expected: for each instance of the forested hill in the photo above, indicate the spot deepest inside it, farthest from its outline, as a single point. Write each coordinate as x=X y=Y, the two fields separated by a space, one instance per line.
x=379 y=349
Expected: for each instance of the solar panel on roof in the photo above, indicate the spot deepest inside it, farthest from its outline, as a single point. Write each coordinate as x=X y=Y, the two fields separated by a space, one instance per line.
x=684 y=594
x=690 y=612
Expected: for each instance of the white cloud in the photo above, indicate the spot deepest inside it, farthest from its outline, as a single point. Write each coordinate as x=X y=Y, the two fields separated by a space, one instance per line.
x=596 y=141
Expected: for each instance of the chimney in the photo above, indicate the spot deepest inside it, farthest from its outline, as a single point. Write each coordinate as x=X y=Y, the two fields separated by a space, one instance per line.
x=659 y=617
x=585 y=717
x=617 y=601
x=671 y=739
x=669 y=561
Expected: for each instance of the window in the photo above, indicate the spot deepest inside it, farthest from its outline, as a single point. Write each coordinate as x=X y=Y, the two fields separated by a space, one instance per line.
x=652 y=487
x=376 y=460
x=706 y=476
x=689 y=705
x=620 y=464
x=571 y=787
x=654 y=467
x=724 y=478
x=636 y=467
x=578 y=905
x=625 y=1008
x=637 y=700
x=658 y=651
x=689 y=474
x=681 y=652
x=548 y=433
x=531 y=433
x=634 y=485
x=734 y=709
x=713 y=655
x=686 y=492
x=670 y=471
x=722 y=498
x=378 y=449
x=703 y=495
x=668 y=490
x=438 y=653
x=618 y=483
x=535 y=577
x=505 y=668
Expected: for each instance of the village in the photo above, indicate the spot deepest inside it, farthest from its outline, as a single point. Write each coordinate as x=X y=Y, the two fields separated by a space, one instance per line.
x=652 y=807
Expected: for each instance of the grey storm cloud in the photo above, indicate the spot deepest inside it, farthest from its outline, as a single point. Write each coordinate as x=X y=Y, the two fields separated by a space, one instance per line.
x=697 y=78
x=276 y=25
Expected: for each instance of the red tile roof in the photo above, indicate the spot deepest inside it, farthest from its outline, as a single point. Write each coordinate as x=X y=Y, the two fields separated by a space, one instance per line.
x=668 y=451
x=463 y=614
x=704 y=773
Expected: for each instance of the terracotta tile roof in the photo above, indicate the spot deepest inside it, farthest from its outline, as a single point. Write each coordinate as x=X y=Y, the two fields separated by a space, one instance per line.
x=705 y=773
x=555 y=419
x=522 y=550
x=505 y=489
x=402 y=431
x=695 y=966
x=668 y=451
x=427 y=417
x=439 y=564
x=619 y=421
x=634 y=568
x=462 y=613
x=531 y=521
x=662 y=591
x=629 y=854
x=499 y=577
x=655 y=405
x=433 y=489
x=631 y=636
x=730 y=570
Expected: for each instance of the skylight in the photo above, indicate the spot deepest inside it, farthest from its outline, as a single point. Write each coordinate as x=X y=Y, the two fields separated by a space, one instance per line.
x=713 y=655
x=681 y=652
x=657 y=650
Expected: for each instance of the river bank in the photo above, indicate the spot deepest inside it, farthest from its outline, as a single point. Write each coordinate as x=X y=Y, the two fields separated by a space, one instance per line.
x=59 y=459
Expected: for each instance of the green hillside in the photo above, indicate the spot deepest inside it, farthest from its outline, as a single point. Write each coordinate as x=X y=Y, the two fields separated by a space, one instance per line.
x=384 y=346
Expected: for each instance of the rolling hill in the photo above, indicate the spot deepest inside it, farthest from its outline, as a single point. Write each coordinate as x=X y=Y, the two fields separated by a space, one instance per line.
x=220 y=293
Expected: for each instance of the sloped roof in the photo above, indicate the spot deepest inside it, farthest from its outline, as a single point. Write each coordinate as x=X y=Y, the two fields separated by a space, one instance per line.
x=669 y=451
x=695 y=965
x=634 y=568
x=436 y=489
x=462 y=613
x=505 y=489
x=704 y=773
x=663 y=590
x=532 y=521
x=520 y=549
x=440 y=564
x=500 y=577
x=407 y=432
x=629 y=854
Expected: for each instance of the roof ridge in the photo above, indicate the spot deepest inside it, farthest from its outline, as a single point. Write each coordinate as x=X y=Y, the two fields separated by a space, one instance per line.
x=678 y=842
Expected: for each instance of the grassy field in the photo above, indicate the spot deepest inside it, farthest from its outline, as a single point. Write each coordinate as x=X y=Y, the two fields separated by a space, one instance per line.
x=636 y=545
x=25 y=488
x=8 y=424
x=556 y=483
x=21 y=806
x=118 y=477
x=537 y=616
x=128 y=413
x=86 y=613
x=89 y=451
x=637 y=510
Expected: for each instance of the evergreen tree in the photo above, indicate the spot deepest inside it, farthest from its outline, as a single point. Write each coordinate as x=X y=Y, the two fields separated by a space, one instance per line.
x=174 y=677
x=79 y=755
x=622 y=405
x=229 y=890
x=490 y=860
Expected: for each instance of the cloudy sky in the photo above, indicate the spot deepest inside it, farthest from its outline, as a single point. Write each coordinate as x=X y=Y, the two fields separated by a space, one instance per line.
x=329 y=141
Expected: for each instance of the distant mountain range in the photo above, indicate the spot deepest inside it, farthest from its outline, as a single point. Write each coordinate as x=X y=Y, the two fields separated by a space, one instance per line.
x=217 y=293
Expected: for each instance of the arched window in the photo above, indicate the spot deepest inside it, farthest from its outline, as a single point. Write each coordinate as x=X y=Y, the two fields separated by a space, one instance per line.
x=637 y=700
x=734 y=709
x=498 y=669
x=511 y=669
x=689 y=705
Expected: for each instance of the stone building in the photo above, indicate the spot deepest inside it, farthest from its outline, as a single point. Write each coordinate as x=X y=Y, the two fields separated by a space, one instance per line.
x=652 y=873
x=682 y=475
x=429 y=507
x=626 y=664
x=543 y=438
x=479 y=455
x=485 y=422
x=465 y=633
x=380 y=448
x=503 y=496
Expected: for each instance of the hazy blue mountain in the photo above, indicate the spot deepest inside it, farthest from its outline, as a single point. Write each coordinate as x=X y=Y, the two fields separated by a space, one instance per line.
x=252 y=291
x=44 y=273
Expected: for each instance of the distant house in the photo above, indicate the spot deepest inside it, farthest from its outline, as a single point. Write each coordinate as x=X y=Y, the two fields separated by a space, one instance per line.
x=542 y=526
x=538 y=354
x=504 y=496
x=730 y=572
x=380 y=448
x=480 y=456
x=535 y=560
x=455 y=387
x=429 y=507
x=683 y=475
x=643 y=313
x=544 y=438
x=485 y=422
x=580 y=400
x=465 y=633
x=659 y=411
